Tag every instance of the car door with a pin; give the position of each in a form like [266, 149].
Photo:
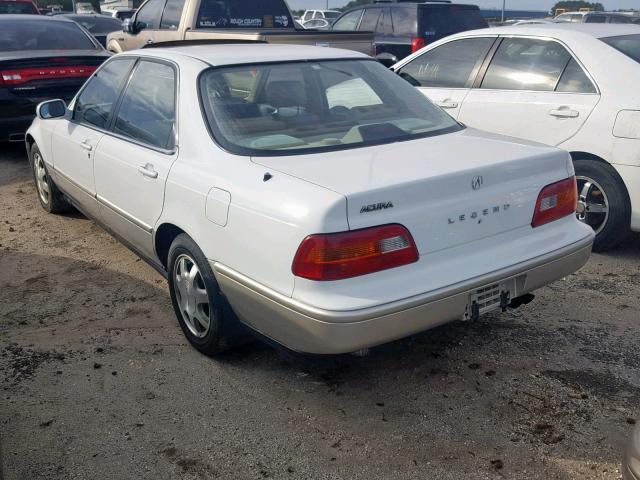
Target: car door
[74, 142]
[146, 23]
[534, 89]
[446, 73]
[133, 160]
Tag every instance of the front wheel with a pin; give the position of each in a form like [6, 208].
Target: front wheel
[202, 312]
[50, 197]
[603, 203]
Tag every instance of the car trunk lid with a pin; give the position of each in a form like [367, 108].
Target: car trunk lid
[447, 190]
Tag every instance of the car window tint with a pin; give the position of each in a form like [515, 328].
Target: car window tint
[385, 27]
[171, 15]
[95, 102]
[619, 19]
[243, 14]
[595, 19]
[369, 20]
[149, 14]
[41, 34]
[13, 7]
[440, 20]
[449, 65]
[574, 80]
[526, 64]
[348, 22]
[405, 21]
[147, 111]
[627, 44]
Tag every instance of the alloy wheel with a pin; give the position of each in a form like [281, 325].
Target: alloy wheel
[192, 296]
[41, 178]
[593, 204]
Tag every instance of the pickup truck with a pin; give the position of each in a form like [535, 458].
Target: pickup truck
[224, 21]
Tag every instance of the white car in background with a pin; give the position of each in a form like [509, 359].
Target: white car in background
[308, 192]
[572, 86]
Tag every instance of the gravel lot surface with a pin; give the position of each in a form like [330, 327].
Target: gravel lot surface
[99, 383]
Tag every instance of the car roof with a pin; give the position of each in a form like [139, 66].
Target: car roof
[238, 54]
[561, 30]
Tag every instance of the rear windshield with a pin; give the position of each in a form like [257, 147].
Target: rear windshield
[627, 44]
[304, 107]
[17, 7]
[43, 35]
[437, 21]
[244, 14]
[98, 24]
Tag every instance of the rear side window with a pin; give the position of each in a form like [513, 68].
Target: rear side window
[171, 15]
[526, 64]
[17, 8]
[405, 21]
[349, 21]
[244, 14]
[627, 44]
[595, 19]
[51, 34]
[574, 80]
[385, 26]
[369, 20]
[439, 21]
[449, 65]
[96, 101]
[147, 111]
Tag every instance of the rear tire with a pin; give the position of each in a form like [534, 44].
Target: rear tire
[203, 313]
[51, 199]
[603, 203]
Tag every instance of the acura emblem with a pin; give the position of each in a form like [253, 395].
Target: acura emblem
[476, 182]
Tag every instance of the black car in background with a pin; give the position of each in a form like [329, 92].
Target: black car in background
[402, 28]
[97, 24]
[40, 58]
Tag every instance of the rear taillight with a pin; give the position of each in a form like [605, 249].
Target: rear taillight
[25, 75]
[417, 44]
[556, 201]
[337, 256]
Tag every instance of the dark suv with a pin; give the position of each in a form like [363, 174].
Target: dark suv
[402, 28]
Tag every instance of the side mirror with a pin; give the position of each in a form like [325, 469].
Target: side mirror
[126, 26]
[387, 59]
[51, 109]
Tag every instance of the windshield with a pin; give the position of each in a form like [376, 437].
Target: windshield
[17, 7]
[627, 44]
[303, 107]
[244, 14]
[43, 35]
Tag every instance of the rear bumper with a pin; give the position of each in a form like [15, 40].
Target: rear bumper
[13, 129]
[305, 328]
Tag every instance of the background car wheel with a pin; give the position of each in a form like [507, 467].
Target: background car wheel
[51, 199]
[603, 203]
[203, 313]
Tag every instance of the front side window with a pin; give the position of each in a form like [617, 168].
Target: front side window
[526, 64]
[627, 44]
[171, 15]
[349, 21]
[148, 109]
[149, 14]
[595, 19]
[449, 65]
[243, 14]
[304, 107]
[96, 101]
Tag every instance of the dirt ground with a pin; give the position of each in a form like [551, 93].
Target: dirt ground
[97, 381]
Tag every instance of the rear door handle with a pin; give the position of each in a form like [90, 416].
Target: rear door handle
[564, 113]
[148, 171]
[86, 145]
[448, 104]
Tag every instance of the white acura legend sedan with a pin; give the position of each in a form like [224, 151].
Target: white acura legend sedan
[307, 193]
[572, 86]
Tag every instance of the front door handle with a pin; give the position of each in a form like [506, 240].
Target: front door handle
[448, 104]
[86, 145]
[564, 113]
[149, 42]
[148, 171]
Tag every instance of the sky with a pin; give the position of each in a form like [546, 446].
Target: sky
[511, 4]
